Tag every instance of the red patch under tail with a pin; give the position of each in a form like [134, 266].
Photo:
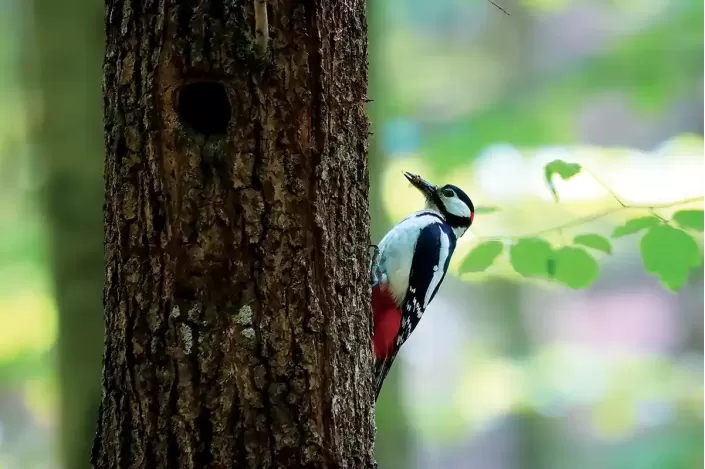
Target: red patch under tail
[387, 321]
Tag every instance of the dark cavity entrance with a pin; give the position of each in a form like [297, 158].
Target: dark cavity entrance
[204, 107]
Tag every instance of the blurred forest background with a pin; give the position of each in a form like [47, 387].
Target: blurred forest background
[504, 373]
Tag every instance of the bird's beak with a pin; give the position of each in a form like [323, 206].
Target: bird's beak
[420, 183]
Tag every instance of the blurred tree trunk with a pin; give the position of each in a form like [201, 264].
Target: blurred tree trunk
[530, 430]
[68, 41]
[237, 231]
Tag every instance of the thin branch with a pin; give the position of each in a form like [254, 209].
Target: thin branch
[653, 212]
[595, 217]
[261, 28]
[605, 187]
[502, 9]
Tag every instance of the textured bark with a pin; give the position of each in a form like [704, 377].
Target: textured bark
[68, 42]
[236, 298]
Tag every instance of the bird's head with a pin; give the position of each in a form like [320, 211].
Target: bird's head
[449, 200]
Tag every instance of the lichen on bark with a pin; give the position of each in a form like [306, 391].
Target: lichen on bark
[236, 298]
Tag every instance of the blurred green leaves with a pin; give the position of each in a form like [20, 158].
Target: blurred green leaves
[534, 257]
[669, 253]
[485, 210]
[561, 168]
[635, 225]
[575, 267]
[651, 67]
[571, 266]
[482, 257]
[594, 241]
[689, 219]
[531, 257]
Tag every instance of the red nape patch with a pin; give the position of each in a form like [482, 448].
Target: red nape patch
[387, 319]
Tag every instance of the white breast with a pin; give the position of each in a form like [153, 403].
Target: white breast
[397, 251]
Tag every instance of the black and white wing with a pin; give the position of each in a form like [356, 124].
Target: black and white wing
[434, 248]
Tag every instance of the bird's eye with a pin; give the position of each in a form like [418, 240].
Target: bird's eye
[449, 193]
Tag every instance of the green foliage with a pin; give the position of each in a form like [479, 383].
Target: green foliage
[635, 225]
[23, 241]
[571, 266]
[656, 64]
[482, 257]
[669, 253]
[531, 257]
[25, 365]
[594, 241]
[689, 219]
[575, 267]
[485, 210]
[563, 169]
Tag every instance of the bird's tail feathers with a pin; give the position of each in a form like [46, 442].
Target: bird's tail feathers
[382, 367]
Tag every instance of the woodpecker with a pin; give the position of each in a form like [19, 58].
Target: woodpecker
[410, 264]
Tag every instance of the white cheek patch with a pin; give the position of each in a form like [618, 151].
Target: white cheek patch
[456, 206]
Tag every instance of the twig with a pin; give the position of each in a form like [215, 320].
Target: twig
[605, 187]
[502, 9]
[653, 212]
[261, 28]
[595, 217]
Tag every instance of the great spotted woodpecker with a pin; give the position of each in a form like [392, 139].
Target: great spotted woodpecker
[410, 264]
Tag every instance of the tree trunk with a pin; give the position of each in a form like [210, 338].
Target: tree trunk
[237, 285]
[68, 41]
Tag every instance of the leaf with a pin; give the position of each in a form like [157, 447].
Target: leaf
[575, 267]
[482, 257]
[485, 210]
[689, 219]
[594, 241]
[551, 267]
[562, 168]
[669, 253]
[531, 257]
[635, 225]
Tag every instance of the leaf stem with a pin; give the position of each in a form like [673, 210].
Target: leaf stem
[595, 217]
[609, 190]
